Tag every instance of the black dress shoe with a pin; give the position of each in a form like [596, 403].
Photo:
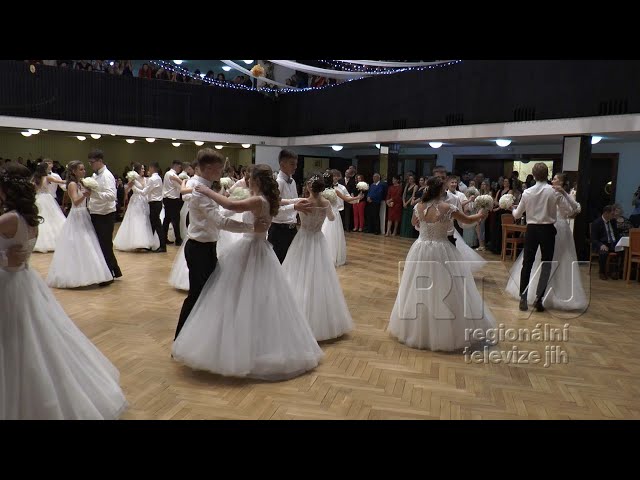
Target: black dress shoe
[104, 284]
[178, 243]
[168, 242]
[523, 305]
[160, 250]
[538, 305]
[117, 273]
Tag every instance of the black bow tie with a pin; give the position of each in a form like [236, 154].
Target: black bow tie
[289, 180]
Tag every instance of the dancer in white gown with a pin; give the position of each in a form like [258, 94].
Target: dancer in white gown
[49, 370]
[564, 290]
[310, 270]
[179, 276]
[245, 322]
[52, 216]
[135, 231]
[238, 191]
[78, 238]
[334, 231]
[436, 317]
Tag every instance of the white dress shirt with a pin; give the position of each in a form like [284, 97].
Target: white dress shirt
[191, 183]
[343, 190]
[452, 199]
[53, 187]
[462, 187]
[205, 219]
[540, 202]
[286, 213]
[103, 201]
[153, 189]
[171, 189]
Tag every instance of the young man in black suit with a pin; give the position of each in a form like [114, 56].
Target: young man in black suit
[604, 237]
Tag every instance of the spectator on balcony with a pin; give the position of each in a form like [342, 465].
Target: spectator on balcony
[127, 69]
[162, 74]
[198, 79]
[248, 82]
[221, 78]
[145, 71]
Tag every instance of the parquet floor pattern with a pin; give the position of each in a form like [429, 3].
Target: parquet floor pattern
[367, 374]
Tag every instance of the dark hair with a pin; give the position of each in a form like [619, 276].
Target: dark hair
[40, 173]
[20, 193]
[136, 167]
[563, 177]
[335, 171]
[317, 182]
[433, 190]
[194, 164]
[96, 155]
[540, 172]
[268, 186]
[439, 168]
[155, 165]
[608, 209]
[176, 162]
[286, 154]
[208, 156]
[71, 168]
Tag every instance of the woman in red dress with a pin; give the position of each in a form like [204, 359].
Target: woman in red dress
[394, 207]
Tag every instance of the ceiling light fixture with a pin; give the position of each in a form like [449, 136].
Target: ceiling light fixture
[435, 144]
[337, 148]
[150, 140]
[246, 145]
[82, 138]
[595, 139]
[503, 142]
[175, 144]
[95, 136]
[130, 140]
[199, 143]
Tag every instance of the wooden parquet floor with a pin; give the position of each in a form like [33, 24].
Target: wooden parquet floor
[367, 374]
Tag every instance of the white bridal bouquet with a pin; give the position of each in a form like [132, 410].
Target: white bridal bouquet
[184, 176]
[362, 186]
[330, 194]
[506, 201]
[471, 191]
[90, 183]
[484, 201]
[132, 175]
[240, 194]
[226, 182]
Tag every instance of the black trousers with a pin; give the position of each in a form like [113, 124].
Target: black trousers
[452, 239]
[347, 216]
[172, 208]
[372, 217]
[280, 236]
[543, 236]
[156, 226]
[602, 258]
[103, 225]
[201, 261]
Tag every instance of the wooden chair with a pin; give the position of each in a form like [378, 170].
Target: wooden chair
[633, 255]
[512, 239]
[611, 256]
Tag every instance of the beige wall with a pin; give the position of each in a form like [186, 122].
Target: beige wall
[314, 165]
[118, 153]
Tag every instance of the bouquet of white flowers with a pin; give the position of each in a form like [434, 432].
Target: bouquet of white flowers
[240, 194]
[330, 194]
[226, 182]
[506, 201]
[484, 201]
[90, 183]
[132, 175]
[184, 176]
[471, 191]
[362, 186]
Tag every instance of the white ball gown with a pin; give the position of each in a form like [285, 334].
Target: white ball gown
[565, 290]
[334, 233]
[313, 278]
[135, 231]
[437, 301]
[53, 219]
[49, 370]
[246, 323]
[78, 246]
[226, 239]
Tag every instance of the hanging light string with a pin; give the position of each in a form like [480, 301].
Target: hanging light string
[266, 89]
[354, 67]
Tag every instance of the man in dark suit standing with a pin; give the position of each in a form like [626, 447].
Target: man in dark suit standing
[604, 237]
[350, 183]
[377, 193]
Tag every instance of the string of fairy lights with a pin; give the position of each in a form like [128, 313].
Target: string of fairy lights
[337, 65]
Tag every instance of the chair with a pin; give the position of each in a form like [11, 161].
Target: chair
[611, 256]
[633, 255]
[510, 240]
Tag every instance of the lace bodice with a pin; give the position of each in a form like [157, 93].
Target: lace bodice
[82, 204]
[564, 210]
[436, 230]
[250, 218]
[44, 186]
[313, 221]
[25, 236]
